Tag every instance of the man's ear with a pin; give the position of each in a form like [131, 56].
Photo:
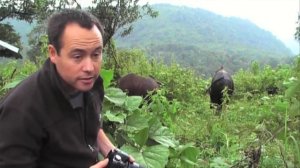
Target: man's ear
[52, 53]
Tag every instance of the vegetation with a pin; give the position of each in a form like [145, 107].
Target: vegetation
[9, 35]
[297, 33]
[179, 129]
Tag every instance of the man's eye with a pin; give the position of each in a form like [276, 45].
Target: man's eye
[97, 54]
[76, 56]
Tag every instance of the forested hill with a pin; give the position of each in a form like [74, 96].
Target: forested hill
[204, 40]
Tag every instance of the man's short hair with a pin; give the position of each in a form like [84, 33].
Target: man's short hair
[59, 20]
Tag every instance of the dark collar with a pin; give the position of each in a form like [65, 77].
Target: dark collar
[75, 98]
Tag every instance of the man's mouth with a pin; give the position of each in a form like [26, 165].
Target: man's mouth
[87, 80]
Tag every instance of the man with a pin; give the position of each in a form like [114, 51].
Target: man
[52, 118]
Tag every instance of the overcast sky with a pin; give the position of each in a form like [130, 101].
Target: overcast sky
[277, 16]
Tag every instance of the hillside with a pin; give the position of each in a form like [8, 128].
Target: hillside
[203, 40]
[196, 38]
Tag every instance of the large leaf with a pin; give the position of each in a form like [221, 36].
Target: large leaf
[11, 84]
[188, 157]
[119, 117]
[150, 157]
[162, 135]
[14, 83]
[136, 122]
[107, 76]
[133, 102]
[293, 89]
[219, 162]
[115, 95]
[141, 137]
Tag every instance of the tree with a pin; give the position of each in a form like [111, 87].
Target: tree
[116, 15]
[37, 39]
[20, 9]
[44, 8]
[32, 9]
[297, 34]
[7, 32]
[10, 36]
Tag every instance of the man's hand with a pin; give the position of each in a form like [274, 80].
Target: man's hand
[101, 164]
[131, 159]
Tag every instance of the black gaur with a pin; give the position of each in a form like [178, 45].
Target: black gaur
[135, 85]
[272, 90]
[220, 81]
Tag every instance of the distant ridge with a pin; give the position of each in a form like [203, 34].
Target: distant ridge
[203, 40]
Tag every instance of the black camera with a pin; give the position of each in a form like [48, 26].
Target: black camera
[120, 159]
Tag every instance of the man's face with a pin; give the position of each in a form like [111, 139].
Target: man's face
[80, 57]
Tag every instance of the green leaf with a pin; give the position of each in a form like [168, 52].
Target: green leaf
[281, 105]
[119, 117]
[107, 76]
[136, 122]
[293, 89]
[219, 162]
[188, 157]
[115, 95]
[141, 137]
[11, 84]
[150, 157]
[14, 83]
[181, 148]
[133, 102]
[162, 135]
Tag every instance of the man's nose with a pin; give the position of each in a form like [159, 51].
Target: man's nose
[88, 65]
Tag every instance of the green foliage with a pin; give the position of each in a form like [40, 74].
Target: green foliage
[252, 123]
[297, 33]
[131, 61]
[294, 83]
[257, 80]
[12, 73]
[27, 11]
[20, 9]
[179, 130]
[9, 35]
[36, 42]
[107, 76]
[43, 51]
[140, 133]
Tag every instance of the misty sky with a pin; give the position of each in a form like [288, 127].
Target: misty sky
[277, 16]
